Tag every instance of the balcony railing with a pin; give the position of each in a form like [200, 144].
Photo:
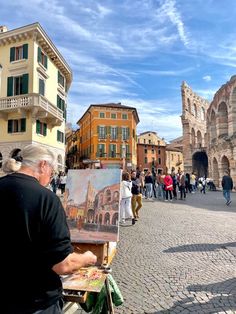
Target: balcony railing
[39, 105]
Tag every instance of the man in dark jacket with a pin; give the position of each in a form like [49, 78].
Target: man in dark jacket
[227, 185]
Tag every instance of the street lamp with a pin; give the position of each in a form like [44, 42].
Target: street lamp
[123, 155]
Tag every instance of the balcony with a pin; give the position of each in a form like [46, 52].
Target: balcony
[40, 107]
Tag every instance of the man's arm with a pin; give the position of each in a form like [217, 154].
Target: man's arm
[73, 262]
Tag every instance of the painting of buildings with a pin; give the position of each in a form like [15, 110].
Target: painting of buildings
[91, 202]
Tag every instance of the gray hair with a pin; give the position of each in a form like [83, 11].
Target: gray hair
[31, 156]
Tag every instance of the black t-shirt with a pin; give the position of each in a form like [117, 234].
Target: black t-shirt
[34, 237]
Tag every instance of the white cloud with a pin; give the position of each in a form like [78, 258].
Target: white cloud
[207, 78]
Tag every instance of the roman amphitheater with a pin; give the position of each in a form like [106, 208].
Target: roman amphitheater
[209, 132]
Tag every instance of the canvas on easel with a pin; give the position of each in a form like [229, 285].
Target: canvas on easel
[92, 204]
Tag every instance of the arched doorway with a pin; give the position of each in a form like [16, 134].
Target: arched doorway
[215, 172]
[225, 164]
[223, 119]
[200, 164]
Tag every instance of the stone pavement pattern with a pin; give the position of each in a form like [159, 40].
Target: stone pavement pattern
[179, 258]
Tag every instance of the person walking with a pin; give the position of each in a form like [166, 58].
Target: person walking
[168, 186]
[37, 249]
[136, 200]
[148, 184]
[227, 185]
[182, 182]
[125, 204]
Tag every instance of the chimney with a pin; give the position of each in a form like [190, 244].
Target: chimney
[3, 29]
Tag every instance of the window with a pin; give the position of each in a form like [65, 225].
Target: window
[144, 141]
[42, 58]
[149, 141]
[15, 126]
[159, 161]
[145, 151]
[124, 116]
[113, 133]
[41, 87]
[61, 105]
[101, 132]
[17, 85]
[113, 116]
[112, 150]
[153, 161]
[60, 79]
[172, 157]
[60, 136]
[19, 53]
[125, 133]
[101, 115]
[41, 128]
[101, 150]
[153, 151]
[159, 151]
[145, 160]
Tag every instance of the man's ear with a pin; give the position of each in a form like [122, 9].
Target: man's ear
[42, 165]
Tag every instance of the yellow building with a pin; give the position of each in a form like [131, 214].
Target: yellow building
[174, 159]
[34, 82]
[108, 136]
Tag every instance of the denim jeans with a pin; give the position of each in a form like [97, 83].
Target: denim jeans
[226, 194]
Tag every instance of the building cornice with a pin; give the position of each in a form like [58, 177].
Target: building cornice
[35, 31]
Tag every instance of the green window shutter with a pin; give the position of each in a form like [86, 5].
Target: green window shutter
[110, 148]
[9, 126]
[39, 55]
[12, 54]
[127, 150]
[46, 62]
[38, 127]
[25, 83]
[65, 114]
[98, 128]
[58, 101]
[108, 130]
[23, 125]
[114, 149]
[97, 154]
[10, 86]
[25, 51]
[62, 104]
[103, 149]
[41, 87]
[45, 129]
[128, 132]
[58, 136]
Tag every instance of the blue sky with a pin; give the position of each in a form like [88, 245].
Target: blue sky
[137, 52]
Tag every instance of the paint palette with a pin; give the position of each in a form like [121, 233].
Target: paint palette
[86, 279]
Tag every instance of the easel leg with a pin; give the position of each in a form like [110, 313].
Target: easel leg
[109, 298]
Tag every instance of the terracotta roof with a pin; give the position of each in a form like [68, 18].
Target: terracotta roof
[112, 105]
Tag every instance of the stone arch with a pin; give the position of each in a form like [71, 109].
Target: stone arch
[225, 164]
[203, 114]
[107, 219]
[108, 196]
[206, 139]
[213, 133]
[199, 139]
[90, 216]
[222, 119]
[115, 219]
[215, 172]
[189, 105]
[195, 110]
[200, 164]
[193, 141]
[233, 102]
[0, 160]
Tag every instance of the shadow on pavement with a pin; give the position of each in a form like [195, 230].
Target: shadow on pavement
[224, 299]
[200, 247]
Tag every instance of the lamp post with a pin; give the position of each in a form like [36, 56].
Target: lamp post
[123, 155]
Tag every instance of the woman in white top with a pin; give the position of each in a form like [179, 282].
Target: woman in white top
[125, 204]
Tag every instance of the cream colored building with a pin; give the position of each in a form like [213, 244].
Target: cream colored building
[34, 82]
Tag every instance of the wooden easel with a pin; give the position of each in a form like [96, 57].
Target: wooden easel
[105, 256]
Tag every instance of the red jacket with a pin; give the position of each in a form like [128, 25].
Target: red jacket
[168, 183]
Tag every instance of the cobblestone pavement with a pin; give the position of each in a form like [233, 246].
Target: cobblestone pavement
[180, 257]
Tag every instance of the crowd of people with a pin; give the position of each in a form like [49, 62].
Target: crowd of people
[150, 185]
